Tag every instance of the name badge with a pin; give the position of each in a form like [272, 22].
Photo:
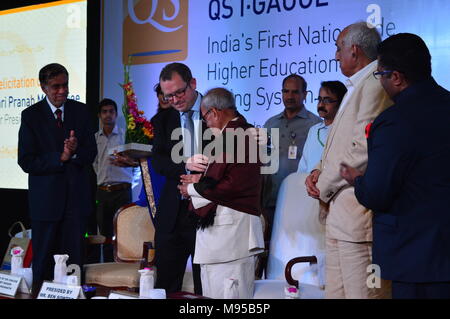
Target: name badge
[292, 152]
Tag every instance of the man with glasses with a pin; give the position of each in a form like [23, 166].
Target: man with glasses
[330, 97]
[293, 124]
[406, 182]
[227, 201]
[349, 224]
[56, 148]
[175, 227]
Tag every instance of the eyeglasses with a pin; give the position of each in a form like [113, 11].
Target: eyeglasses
[205, 115]
[325, 100]
[179, 93]
[379, 74]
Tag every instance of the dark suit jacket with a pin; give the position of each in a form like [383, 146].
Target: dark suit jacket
[39, 151]
[169, 202]
[407, 184]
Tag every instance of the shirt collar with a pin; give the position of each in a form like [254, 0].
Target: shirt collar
[302, 114]
[358, 76]
[322, 124]
[196, 106]
[54, 108]
[115, 130]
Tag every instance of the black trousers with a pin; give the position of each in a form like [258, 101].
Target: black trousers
[172, 250]
[56, 238]
[107, 205]
[428, 290]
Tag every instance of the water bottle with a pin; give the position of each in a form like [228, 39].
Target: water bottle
[146, 282]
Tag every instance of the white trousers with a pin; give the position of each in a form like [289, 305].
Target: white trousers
[214, 277]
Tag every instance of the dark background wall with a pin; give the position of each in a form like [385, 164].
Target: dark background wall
[15, 202]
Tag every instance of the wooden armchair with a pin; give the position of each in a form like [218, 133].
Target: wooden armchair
[133, 250]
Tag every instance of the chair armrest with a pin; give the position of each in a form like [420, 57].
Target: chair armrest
[292, 262]
[98, 240]
[147, 252]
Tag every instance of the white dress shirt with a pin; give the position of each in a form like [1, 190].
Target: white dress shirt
[314, 144]
[352, 82]
[106, 172]
[54, 108]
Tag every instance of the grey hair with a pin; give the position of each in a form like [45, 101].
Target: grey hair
[365, 36]
[220, 98]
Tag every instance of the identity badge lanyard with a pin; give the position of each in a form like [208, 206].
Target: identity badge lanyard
[292, 152]
[318, 136]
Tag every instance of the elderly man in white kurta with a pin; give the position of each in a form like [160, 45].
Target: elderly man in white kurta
[227, 201]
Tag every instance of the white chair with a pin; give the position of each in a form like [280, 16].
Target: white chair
[296, 233]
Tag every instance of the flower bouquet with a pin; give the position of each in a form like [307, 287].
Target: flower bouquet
[139, 130]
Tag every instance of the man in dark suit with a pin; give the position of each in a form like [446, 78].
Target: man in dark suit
[56, 146]
[175, 226]
[407, 181]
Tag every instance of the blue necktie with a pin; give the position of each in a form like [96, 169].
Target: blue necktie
[189, 135]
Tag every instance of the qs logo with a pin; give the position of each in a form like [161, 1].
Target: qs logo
[155, 31]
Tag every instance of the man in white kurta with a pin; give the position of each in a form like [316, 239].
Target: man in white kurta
[227, 249]
[227, 201]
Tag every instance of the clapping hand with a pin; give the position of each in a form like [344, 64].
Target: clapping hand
[70, 147]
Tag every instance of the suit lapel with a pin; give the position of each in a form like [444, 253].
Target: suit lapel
[334, 127]
[174, 123]
[69, 118]
[49, 124]
[47, 113]
[337, 120]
